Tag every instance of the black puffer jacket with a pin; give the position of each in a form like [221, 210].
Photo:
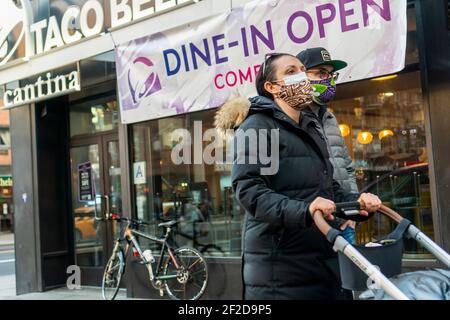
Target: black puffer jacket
[285, 256]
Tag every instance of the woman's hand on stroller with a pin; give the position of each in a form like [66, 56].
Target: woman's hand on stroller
[369, 203]
[325, 206]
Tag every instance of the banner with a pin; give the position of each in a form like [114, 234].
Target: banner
[202, 65]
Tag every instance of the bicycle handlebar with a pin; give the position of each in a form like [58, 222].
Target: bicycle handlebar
[119, 219]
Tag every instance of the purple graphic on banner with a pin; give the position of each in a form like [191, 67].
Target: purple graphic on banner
[150, 85]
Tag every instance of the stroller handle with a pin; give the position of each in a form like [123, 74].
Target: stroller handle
[412, 231]
[341, 245]
[388, 212]
[325, 228]
[348, 209]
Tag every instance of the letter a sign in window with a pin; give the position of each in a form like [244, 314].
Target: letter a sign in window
[139, 172]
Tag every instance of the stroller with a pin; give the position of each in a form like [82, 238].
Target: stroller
[359, 265]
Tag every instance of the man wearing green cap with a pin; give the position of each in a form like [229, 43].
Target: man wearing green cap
[321, 71]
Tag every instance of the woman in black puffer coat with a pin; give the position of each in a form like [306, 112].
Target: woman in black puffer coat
[284, 255]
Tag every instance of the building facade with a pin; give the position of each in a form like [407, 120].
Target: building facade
[395, 128]
[6, 182]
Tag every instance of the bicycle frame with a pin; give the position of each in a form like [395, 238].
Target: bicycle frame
[172, 268]
[130, 237]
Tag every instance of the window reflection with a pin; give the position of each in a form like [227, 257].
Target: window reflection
[383, 125]
[199, 196]
[94, 116]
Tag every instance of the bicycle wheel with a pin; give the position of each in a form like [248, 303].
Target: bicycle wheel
[192, 274]
[112, 275]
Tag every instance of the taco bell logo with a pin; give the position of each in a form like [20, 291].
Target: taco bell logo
[142, 80]
[14, 21]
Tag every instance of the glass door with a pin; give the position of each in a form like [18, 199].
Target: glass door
[96, 194]
[113, 187]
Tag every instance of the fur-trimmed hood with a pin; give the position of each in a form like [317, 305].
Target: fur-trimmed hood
[231, 114]
[235, 111]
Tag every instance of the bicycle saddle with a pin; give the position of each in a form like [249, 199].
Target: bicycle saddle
[168, 224]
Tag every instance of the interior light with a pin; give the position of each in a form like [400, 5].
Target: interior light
[384, 78]
[364, 137]
[385, 133]
[345, 129]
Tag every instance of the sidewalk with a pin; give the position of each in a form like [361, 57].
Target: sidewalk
[85, 293]
[8, 285]
[7, 281]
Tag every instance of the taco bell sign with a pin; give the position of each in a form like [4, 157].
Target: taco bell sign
[77, 22]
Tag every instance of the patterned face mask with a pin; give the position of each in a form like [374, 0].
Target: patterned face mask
[324, 90]
[296, 91]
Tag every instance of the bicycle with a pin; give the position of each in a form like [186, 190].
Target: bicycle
[184, 274]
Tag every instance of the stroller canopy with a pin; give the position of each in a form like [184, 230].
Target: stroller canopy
[432, 284]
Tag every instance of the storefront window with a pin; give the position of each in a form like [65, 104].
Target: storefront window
[94, 116]
[383, 123]
[199, 196]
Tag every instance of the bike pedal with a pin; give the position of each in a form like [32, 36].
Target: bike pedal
[161, 292]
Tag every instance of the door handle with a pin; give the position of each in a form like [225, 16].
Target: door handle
[108, 212]
[95, 209]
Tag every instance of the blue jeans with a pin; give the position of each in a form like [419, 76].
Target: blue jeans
[349, 234]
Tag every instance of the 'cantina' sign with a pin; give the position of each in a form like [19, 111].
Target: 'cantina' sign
[44, 88]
